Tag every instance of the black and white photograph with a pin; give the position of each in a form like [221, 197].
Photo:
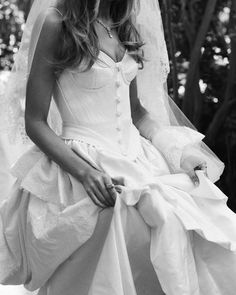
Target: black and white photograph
[117, 147]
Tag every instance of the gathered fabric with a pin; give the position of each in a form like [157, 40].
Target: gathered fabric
[164, 235]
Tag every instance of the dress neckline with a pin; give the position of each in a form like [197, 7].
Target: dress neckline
[111, 58]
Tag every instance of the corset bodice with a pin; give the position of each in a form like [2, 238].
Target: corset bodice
[95, 104]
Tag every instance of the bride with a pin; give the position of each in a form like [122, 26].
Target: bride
[118, 202]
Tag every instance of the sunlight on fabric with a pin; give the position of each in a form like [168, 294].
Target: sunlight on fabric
[14, 290]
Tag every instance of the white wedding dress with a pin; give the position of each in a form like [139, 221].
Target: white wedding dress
[164, 236]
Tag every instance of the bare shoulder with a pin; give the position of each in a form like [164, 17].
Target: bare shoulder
[50, 21]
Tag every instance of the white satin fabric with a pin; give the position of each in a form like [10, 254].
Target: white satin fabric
[163, 236]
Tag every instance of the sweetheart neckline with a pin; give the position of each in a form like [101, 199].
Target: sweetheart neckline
[111, 58]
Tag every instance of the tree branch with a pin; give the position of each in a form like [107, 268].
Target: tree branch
[195, 57]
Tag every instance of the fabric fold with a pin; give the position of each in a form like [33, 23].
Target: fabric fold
[176, 221]
[178, 142]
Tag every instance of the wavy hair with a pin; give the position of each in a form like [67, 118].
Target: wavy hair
[79, 41]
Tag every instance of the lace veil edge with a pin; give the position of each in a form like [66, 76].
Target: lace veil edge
[151, 81]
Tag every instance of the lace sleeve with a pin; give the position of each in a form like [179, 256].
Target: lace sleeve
[171, 141]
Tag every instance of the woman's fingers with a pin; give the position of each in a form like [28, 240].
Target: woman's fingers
[192, 174]
[202, 167]
[102, 191]
[94, 198]
[109, 186]
[100, 195]
[118, 182]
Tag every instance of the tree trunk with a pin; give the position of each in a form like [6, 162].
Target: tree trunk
[198, 101]
[188, 104]
[231, 85]
[226, 115]
[230, 94]
[218, 121]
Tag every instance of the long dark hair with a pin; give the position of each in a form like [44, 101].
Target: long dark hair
[79, 41]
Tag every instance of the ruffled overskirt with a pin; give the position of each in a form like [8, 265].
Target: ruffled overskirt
[163, 235]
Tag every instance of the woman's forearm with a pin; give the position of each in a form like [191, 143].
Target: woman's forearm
[147, 127]
[140, 116]
[54, 147]
[144, 123]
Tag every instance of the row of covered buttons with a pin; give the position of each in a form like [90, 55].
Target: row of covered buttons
[118, 108]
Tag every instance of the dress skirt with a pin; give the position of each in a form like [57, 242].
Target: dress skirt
[164, 235]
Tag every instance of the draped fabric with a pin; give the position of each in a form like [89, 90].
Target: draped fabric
[164, 235]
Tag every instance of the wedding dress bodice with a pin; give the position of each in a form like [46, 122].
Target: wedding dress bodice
[95, 104]
[162, 228]
[95, 109]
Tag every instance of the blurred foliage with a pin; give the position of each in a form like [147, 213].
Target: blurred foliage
[186, 17]
[11, 25]
[215, 58]
[214, 61]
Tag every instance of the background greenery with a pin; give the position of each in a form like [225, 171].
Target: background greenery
[201, 37]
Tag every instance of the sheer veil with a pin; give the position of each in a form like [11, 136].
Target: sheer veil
[152, 87]
[151, 80]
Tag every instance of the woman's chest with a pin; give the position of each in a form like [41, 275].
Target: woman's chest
[104, 72]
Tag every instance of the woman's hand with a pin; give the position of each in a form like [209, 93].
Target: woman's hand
[101, 187]
[190, 164]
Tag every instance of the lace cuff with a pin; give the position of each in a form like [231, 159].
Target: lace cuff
[172, 141]
[178, 142]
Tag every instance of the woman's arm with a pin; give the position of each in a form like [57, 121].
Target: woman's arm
[40, 86]
[137, 110]
[149, 129]
[141, 119]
